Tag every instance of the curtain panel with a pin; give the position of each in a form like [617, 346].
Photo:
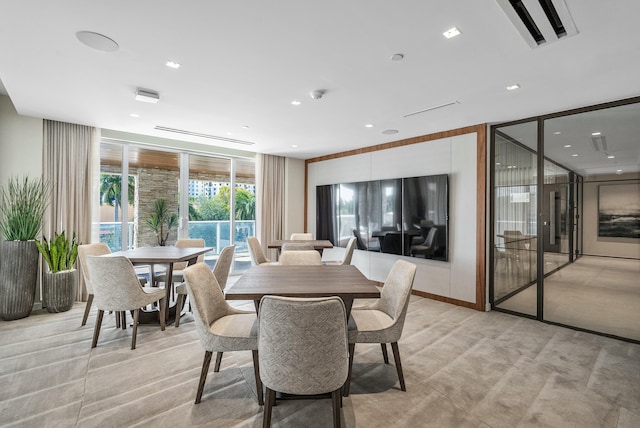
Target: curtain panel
[67, 166]
[270, 207]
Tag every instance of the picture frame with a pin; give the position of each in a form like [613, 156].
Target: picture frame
[619, 210]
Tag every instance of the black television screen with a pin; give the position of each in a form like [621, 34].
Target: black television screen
[404, 216]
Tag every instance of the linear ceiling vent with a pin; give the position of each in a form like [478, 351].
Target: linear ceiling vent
[540, 22]
[198, 134]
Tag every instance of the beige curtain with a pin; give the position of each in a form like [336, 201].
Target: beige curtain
[67, 165]
[270, 207]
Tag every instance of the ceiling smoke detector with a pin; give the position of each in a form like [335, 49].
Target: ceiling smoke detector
[317, 94]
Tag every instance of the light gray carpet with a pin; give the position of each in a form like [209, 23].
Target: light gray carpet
[463, 368]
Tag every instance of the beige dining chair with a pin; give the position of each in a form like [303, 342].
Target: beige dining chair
[382, 322]
[221, 327]
[116, 288]
[297, 246]
[303, 257]
[302, 349]
[348, 254]
[256, 253]
[301, 237]
[97, 249]
[220, 271]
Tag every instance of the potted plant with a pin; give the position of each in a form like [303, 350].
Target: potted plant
[22, 206]
[161, 222]
[59, 285]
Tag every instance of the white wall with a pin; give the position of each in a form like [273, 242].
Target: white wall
[456, 156]
[20, 143]
[602, 246]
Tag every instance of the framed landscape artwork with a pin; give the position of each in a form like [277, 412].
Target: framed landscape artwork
[619, 210]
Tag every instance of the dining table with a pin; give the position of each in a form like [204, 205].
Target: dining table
[318, 244]
[346, 282]
[162, 255]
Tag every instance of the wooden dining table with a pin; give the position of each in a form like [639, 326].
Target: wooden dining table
[346, 282]
[166, 256]
[318, 244]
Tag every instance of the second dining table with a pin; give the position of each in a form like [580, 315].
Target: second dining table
[318, 244]
[346, 282]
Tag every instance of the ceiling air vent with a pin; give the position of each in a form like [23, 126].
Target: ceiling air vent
[199, 134]
[539, 22]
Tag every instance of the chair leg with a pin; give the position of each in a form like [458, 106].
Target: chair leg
[347, 384]
[203, 374]
[96, 329]
[266, 418]
[336, 398]
[216, 367]
[384, 353]
[136, 314]
[179, 304]
[118, 318]
[256, 372]
[396, 357]
[163, 313]
[87, 309]
[123, 322]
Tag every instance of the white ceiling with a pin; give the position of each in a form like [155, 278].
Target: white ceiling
[243, 62]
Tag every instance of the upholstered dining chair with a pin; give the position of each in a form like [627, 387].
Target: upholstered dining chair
[256, 253]
[220, 271]
[116, 288]
[302, 349]
[301, 237]
[382, 322]
[297, 246]
[348, 254]
[97, 249]
[303, 257]
[221, 328]
[179, 266]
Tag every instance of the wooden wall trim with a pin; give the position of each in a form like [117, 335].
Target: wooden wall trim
[481, 200]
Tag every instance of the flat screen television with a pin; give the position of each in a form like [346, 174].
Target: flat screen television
[403, 216]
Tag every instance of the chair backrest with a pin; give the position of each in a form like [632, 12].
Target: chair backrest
[255, 251]
[115, 284]
[84, 250]
[297, 246]
[301, 237]
[348, 252]
[431, 237]
[394, 298]
[302, 344]
[189, 243]
[223, 265]
[303, 257]
[359, 242]
[206, 298]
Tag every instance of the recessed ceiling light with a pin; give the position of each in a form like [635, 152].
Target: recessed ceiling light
[513, 87]
[575, 155]
[397, 57]
[229, 133]
[618, 171]
[611, 157]
[172, 64]
[595, 134]
[97, 41]
[498, 163]
[294, 145]
[556, 133]
[390, 131]
[566, 146]
[368, 125]
[134, 115]
[245, 127]
[296, 103]
[451, 32]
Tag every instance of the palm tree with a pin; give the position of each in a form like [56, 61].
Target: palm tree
[245, 204]
[111, 191]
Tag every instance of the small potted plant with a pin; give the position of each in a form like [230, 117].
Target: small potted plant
[22, 206]
[161, 222]
[59, 283]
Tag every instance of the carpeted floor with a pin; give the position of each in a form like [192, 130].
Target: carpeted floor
[463, 368]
